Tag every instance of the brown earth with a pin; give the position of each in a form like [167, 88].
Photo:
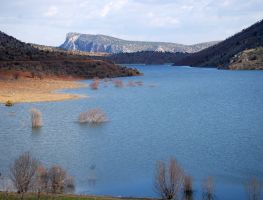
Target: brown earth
[36, 90]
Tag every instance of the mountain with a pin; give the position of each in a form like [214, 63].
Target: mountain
[103, 43]
[17, 57]
[220, 55]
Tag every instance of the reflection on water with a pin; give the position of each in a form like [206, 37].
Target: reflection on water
[92, 176]
[210, 120]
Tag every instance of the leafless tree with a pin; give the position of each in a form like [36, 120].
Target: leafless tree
[95, 115]
[169, 179]
[22, 172]
[57, 177]
[36, 118]
[188, 188]
[253, 187]
[208, 189]
[41, 180]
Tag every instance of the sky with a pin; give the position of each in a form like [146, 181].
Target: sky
[181, 21]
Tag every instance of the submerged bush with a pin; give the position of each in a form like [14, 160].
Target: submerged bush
[92, 116]
[36, 118]
[95, 84]
[188, 188]
[169, 179]
[9, 103]
[131, 84]
[254, 186]
[118, 83]
[208, 189]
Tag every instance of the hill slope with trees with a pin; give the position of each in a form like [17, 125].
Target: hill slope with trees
[22, 59]
[221, 54]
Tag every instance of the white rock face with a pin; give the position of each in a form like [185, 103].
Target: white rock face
[103, 43]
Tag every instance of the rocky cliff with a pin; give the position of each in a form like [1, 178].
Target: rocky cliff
[103, 43]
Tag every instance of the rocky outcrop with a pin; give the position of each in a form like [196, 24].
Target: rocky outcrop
[251, 59]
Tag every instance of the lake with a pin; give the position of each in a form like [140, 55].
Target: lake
[210, 120]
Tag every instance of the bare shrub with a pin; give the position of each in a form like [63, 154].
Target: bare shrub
[95, 84]
[168, 179]
[41, 180]
[60, 181]
[118, 83]
[253, 187]
[57, 177]
[131, 84]
[208, 189]
[152, 85]
[95, 115]
[188, 188]
[36, 118]
[22, 172]
[9, 103]
[69, 184]
[139, 83]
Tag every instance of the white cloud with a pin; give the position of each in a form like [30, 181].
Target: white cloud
[162, 21]
[157, 20]
[112, 6]
[52, 11]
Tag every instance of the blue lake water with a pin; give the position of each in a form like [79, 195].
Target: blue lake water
[210, 120]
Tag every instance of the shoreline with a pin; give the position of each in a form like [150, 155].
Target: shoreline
[37, 90]
[27, 196]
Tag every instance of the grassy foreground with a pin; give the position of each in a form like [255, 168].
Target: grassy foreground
[31, 196]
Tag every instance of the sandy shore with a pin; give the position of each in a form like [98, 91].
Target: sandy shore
[31, 90]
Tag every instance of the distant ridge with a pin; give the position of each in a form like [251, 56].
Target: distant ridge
[221, 54]
[108, 44]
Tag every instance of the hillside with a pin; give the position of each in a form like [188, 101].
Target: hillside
[221, 54]
[103, 43]
[248, 59]
[21, 59]
[146, 57]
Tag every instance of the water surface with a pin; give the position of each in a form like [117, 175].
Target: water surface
[210, 120]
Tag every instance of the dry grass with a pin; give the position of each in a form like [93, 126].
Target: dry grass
[95, 115]
[31, 90]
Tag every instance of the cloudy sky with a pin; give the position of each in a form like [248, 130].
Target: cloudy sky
[181, 21]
